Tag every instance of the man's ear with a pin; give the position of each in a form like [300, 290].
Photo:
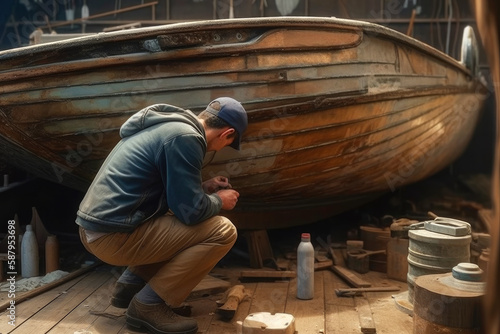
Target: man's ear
[228, 132]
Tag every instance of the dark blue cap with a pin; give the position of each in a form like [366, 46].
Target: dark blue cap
[233, 113]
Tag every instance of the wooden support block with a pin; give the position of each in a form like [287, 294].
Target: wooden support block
[365, 315]
[259, 248]
[350, 277]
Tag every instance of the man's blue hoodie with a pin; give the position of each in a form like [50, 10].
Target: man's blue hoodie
[155, 167]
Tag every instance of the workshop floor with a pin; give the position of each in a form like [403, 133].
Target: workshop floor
[81, 306]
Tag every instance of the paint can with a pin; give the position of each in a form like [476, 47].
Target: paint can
[431, 252]
[449, 303]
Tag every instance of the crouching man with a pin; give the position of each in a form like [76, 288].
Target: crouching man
[149, 210]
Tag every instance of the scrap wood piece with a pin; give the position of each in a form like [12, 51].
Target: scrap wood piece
[350, 277]
[323, 265]
[329, 250]
[365, 315]
[267, 274]
[232, 299]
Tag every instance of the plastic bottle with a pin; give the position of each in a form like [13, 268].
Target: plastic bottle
[85, 11]
[51, 254]
[305, 268]
[29, 254]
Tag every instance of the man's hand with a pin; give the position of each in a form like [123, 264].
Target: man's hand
[215, 184]
[229, 198]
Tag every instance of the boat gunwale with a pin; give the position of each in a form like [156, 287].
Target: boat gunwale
[291, 21]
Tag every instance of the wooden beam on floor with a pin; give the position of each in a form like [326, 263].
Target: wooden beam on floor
[350, 277]
[365, 315]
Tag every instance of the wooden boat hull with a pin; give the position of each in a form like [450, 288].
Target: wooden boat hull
[339, 111]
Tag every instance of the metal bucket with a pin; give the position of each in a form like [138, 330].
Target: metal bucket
[434, 253]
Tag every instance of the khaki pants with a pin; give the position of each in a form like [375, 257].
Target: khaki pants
[171, 256]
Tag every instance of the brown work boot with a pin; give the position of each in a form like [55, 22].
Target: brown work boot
[159, 319]
[123, 294]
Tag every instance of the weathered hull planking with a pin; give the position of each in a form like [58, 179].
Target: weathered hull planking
[339, 111]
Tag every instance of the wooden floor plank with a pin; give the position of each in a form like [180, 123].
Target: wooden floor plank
[67, 308]
[81, 319]
[388, 318]
[28, 308]
[270, 297]
[203, 310]
[50, 315]
[105, 324]
[309, 314]
[341, 316]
